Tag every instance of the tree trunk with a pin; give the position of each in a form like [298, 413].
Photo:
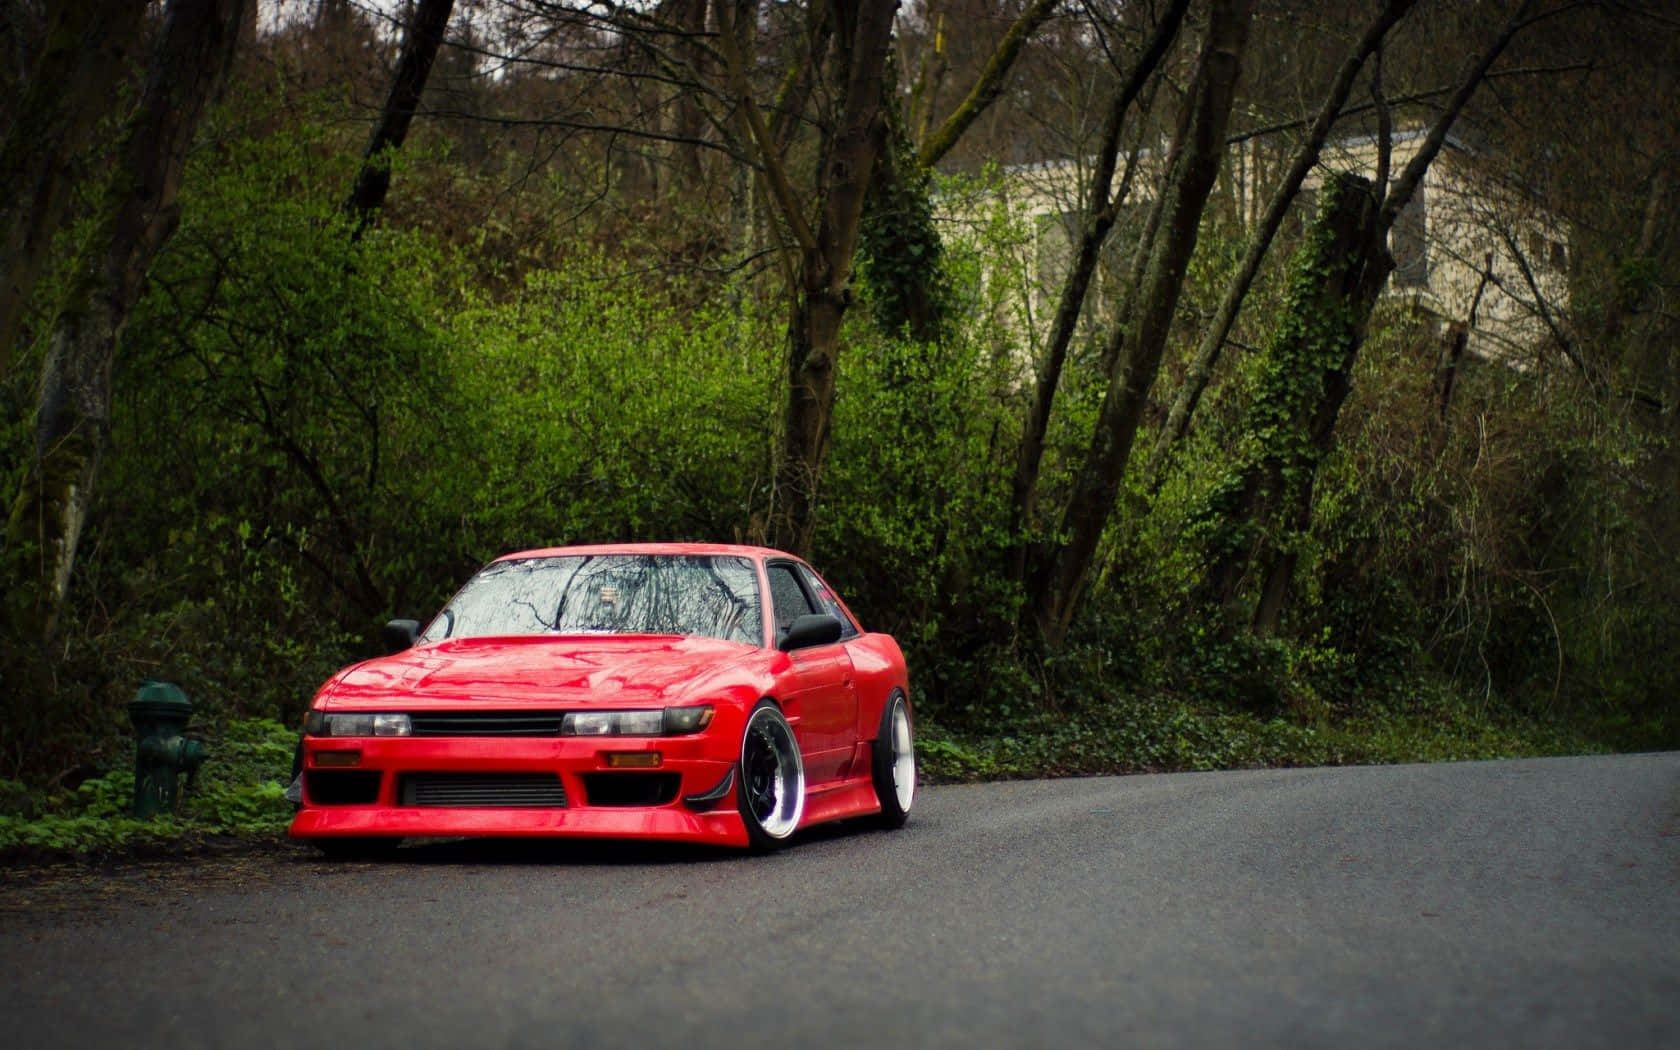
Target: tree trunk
[1102, 203]
[136, 216]
[1458, 341]
[1148, 319]
[690, 118]
[74, 80]
[1308, 377]
[1292, 424]
[419, 51]
[814, 336]
[903, 253]
[1213, 340]
[863, 33]
[1366, 283]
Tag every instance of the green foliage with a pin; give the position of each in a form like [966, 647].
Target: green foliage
[239, 789]
[312, 435]
[237, 792]
[315, 435]
[597, 410]
[901, 257]
[910, 515]
[1159, 733]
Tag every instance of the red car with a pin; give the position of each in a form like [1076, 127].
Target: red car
[692, 692]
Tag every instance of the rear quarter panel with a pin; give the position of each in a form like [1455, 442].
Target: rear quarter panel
[878, 666]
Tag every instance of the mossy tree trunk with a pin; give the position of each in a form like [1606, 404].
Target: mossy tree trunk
[1317, 341]
[135, 216]
[1305, 381]
[988, 86]
[1213, 339]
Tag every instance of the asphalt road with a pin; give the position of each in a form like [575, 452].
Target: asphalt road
[1521, 904]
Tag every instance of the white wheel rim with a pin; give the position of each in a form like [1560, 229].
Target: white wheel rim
[903, 756]
[772, 774]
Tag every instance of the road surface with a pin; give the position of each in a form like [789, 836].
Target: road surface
[1501, 904]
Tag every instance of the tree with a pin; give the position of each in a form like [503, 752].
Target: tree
[135, 215]
[988, 85]
[823, 223]
[1134, 346]
[903, 252]
[1103, 203]
[1309, 374]
[78, 72]
[1213, 340]
[420, 46]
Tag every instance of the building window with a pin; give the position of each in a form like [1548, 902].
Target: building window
[1408, 243]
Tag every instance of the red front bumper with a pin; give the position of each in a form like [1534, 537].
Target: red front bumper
[368, 786]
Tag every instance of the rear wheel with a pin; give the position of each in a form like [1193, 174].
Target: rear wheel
[894, 766]
[771, 792]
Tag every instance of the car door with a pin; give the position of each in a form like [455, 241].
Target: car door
[822, 705]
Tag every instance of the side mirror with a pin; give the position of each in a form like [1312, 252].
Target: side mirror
[399, 635]
[812, 629]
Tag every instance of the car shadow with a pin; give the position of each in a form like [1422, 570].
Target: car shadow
[583, 852]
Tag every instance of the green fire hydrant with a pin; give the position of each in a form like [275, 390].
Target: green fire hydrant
[160, 712]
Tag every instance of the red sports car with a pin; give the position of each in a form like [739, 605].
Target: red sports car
[694, 692]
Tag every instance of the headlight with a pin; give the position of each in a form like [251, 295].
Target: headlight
[679, 720]
[334, 723]
[670, 721]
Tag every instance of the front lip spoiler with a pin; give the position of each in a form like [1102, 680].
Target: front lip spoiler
[709, 800]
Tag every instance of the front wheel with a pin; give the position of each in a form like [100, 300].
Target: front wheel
[771, 793]
[894, 766]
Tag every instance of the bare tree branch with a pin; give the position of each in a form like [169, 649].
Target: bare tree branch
[1403, 100]
[772, 170]
[989, 84]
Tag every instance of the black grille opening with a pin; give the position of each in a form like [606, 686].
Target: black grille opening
[486, 723]
[341, 787]
[535, 790]
[630, 789]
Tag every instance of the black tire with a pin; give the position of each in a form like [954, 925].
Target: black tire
[358, 848]
[894, 766]
[770, 775]
[297, 772]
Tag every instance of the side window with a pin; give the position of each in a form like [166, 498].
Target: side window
[830, 604]
[787, 596]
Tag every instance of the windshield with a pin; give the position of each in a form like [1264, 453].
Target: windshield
[711, 595]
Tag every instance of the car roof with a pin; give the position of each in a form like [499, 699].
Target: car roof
[739, 550]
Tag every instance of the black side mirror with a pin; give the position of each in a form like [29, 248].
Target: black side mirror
[812, 629]
[399, 635]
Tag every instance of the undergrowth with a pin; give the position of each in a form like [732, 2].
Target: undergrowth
[237, 794]
[1163, 734]
[237, 797]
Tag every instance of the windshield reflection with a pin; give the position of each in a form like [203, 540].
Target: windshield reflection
[714, 596]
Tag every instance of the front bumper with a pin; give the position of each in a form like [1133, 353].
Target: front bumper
[381, 786]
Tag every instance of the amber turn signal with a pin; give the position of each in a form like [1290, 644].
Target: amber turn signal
[633, 759]
[338, 758]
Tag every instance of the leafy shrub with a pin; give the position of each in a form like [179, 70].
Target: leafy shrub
[238, 791]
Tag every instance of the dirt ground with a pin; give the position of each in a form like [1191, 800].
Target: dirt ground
[33, 892]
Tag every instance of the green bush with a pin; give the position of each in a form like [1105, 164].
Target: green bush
[237, 792]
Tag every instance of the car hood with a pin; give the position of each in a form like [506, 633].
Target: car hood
[546, 671]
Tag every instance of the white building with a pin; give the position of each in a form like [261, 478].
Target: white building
[1470, 249]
